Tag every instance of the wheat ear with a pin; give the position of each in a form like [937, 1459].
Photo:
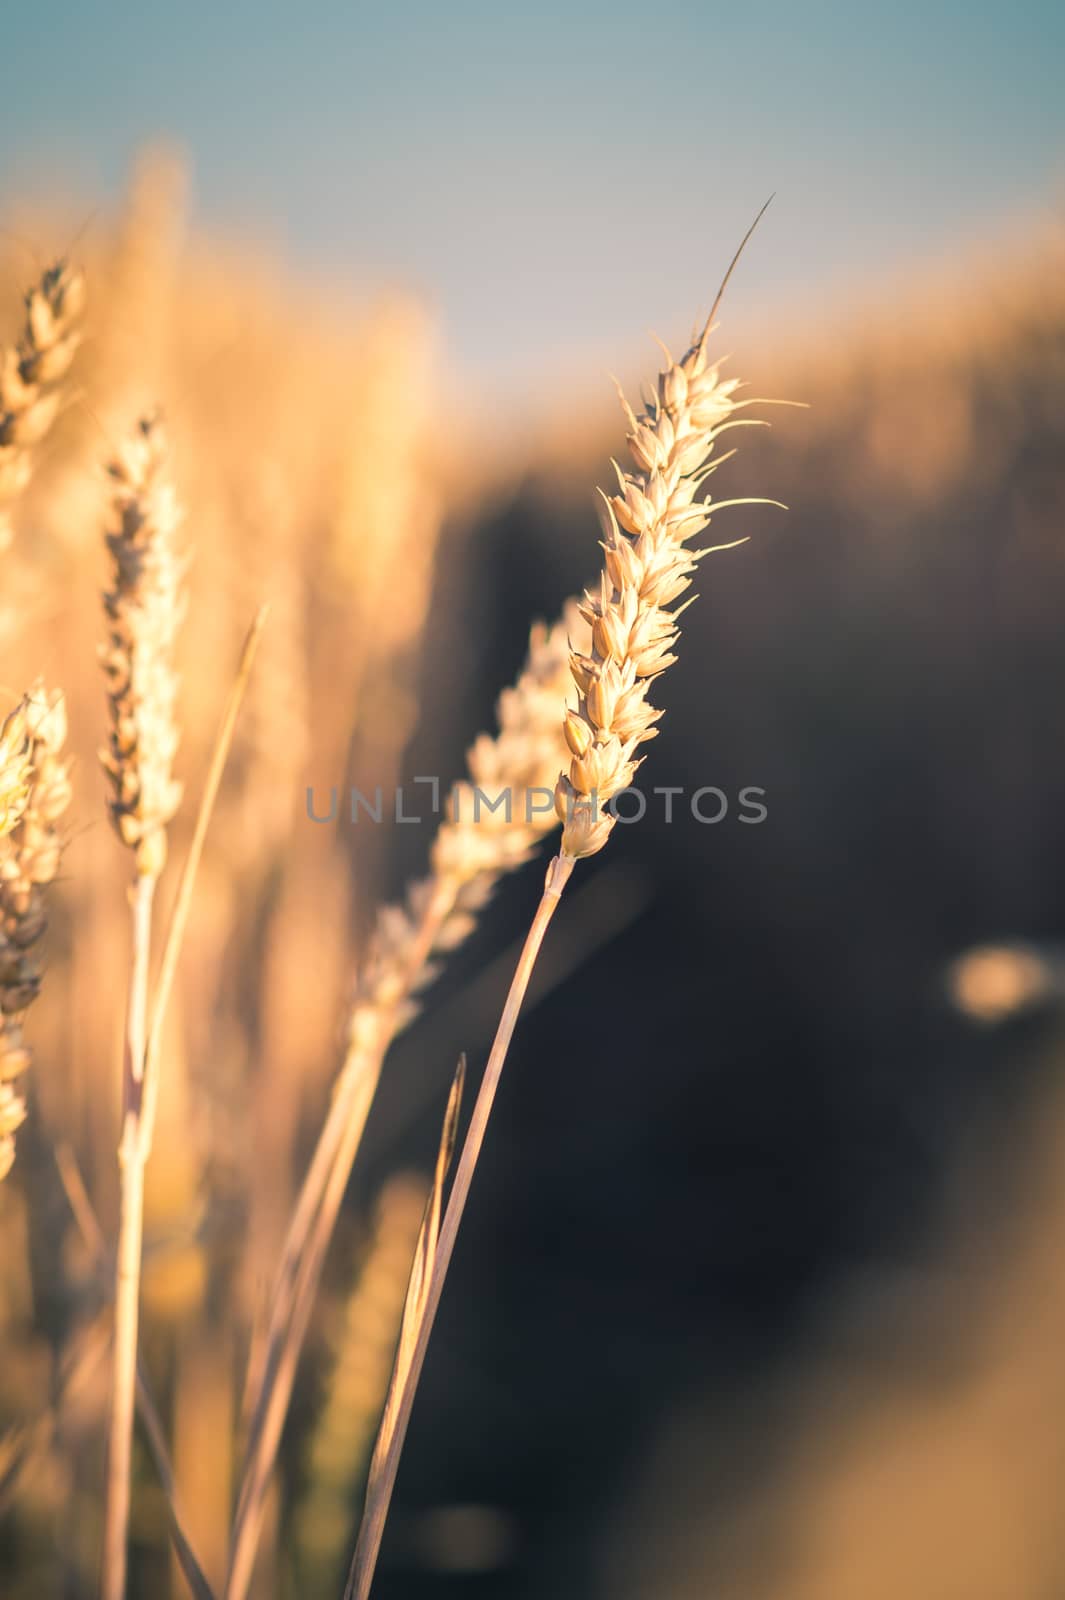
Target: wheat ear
[31, 375]
[471, 850]
[143, 610]
[34, 794]
[647, 567]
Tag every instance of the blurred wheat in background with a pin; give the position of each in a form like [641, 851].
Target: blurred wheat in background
[885, 665]
[301, 439]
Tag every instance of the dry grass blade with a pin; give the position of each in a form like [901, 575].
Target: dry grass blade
[154, 1433]
[179, 916]
[385, 1462]
[363, 1345]
[283, 1350]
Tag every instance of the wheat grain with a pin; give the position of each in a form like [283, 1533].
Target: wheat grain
[16, 768]
[144, 609]
[31, 375]
[36, 793]
[492, 825]
[648, 565]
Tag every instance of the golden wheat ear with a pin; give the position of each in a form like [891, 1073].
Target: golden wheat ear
[34, 795]
[144, 608]
[657, 508]
[32, 374]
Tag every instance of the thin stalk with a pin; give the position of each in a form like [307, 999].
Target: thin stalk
[93, 1236]
[383, 1476]
[128, 1268]
[195, 1576]
[303, 1256]
[280, 1371]
[335, 1149]
[179, 917]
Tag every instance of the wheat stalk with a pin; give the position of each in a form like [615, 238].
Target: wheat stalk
[31, 375]
[385, 1461]
[34, 794]
[365, 1344]
[473, 847]
[93, 1237]
[647, 567]
[143, 609]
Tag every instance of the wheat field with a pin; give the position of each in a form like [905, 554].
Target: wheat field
[252, 540]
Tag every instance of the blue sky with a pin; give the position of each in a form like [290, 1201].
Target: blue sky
[558, 178]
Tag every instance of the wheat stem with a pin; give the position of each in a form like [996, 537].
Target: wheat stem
[382, 1483]
[280, 1370]
[341, 1443]
[131, 1157]
[89, 1227]
[179, 917]
[308, 1239]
